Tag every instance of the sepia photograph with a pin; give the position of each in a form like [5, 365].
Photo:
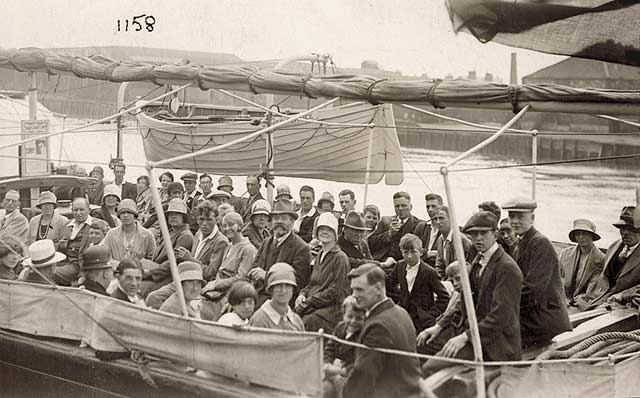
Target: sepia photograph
[355, 198]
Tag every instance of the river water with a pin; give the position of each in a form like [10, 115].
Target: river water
[564, 192]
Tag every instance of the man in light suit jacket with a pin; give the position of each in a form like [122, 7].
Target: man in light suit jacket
[444, 244]
[427, 231]
[496, 282]
[621, 274]
[580, 264]
[376, 374]
[384, 242]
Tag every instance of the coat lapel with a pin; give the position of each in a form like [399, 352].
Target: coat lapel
[632, 262]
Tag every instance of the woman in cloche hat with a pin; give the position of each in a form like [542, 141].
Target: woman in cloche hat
[48, 224]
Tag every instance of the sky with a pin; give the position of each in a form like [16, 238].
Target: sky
[411, 36]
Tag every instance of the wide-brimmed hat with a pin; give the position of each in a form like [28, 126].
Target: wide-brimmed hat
[283, 190]
[284, 206]
[43, 253]
[112, 190]
[12, 194]
[96, 257]
[481, 221]
[326, 196]
[177, 205]
[260, 206]
[189, 177]
[326, 220]
[583, 225]
[128, 205]
[355, 220]
[47, 197]
[225, 181]
[520, 205]
[281, 273]
[190, 271]
[629, 217]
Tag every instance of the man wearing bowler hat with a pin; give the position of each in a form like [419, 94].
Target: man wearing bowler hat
[620, 276]
[283, 246]
[496, 282]
[97, 267]
[352, 240]
[580, 264]
[543, 313]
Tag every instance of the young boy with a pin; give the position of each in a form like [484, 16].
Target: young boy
[339, 358]
[427, 342]
[413, 284]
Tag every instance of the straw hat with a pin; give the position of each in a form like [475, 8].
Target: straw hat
[281, 273]
[190, 271]
[47, 197]
[128, 205]
[326, 220]
[225, 181]
[583, 225]
[355, 220]
[283, 206]
[260, 206]
[112, 190]
[43, 253]
[96, 257]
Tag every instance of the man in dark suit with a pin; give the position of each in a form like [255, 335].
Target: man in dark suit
[427, 231]
[253, 188]
[128, 190]
[387, 325]
[496, 282]
[384, 242]
[543, 313]
[283, 246]
[303, 225]
[620, 277]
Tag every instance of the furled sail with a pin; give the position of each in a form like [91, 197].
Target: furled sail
[334, 150]
[454, 93]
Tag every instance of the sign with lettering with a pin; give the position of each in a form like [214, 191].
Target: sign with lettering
[34, 155]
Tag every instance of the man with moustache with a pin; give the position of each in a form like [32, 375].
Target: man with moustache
[543, 313]
[283, 246]
[427, 231]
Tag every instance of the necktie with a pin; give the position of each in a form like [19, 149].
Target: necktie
[624, 254]
[474, 277]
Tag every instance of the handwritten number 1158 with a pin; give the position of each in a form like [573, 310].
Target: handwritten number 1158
[136, 24]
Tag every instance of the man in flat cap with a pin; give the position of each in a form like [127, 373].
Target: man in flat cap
[496, 282]
[12, 222]
[621, 274]
[543, 313]
[95, 194]
[580, 264]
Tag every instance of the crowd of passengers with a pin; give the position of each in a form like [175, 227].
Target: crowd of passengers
[383, 281]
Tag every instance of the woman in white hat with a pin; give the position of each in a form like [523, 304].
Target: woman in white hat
[319, 303]
[257, 230]
[190, 275]
[43, 257]
[48, 224]
[129, 240]
[109, 210]
[275, 313]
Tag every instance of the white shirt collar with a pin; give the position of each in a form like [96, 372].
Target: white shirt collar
[450, 235]
[486, 255]
[632, 248]
[214, 231]
[310, 213]
[281, 239]
[275, 315]
[193, 194]
[72, 223]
